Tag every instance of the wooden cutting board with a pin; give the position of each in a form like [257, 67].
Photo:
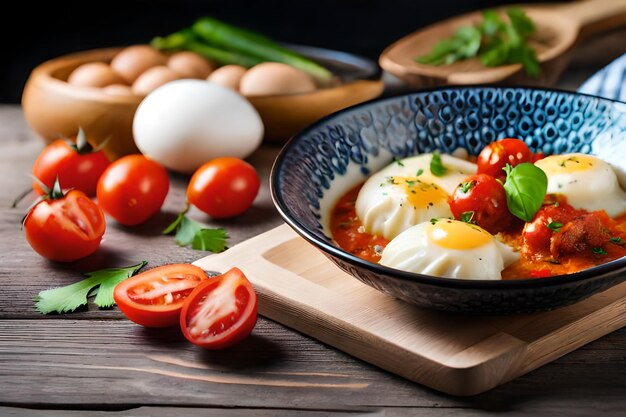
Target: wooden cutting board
[461, 355]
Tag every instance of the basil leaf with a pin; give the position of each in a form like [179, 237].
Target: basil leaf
[436, 166]
[525, 188]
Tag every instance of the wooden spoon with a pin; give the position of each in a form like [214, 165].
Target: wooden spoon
[559, 27]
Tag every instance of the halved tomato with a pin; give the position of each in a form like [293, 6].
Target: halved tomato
[220, 312]
[154, 298]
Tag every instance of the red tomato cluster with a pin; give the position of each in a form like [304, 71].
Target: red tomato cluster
[213, 313]
[481, 198]
[131, 190]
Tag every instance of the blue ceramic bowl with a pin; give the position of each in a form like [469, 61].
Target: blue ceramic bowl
[338, 152]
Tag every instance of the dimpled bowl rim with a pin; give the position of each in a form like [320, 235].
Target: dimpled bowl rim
[335, 251]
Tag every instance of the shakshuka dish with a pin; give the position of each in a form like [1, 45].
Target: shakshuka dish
[510, 214]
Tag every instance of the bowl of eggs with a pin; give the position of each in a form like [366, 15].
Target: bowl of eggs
[468, 199]
[100, 90]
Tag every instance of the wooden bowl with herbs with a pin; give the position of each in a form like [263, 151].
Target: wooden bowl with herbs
[527, 45]
[99, 91]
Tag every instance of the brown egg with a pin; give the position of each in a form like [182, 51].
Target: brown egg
[118, 90]
[228, 76]
[273, 78]
[134, 60]
[154, 78]
[190, 65]
[94, 74]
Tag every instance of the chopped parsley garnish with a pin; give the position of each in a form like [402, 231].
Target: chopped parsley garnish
[570, 159]
[467, 217]
[616, 240]
[554, 226]
[399, 162]
[466, 186]
[436, 166]
[419, 172]
[599, 251]
[433, 221]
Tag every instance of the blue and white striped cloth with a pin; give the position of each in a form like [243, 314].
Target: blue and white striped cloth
[609, 82]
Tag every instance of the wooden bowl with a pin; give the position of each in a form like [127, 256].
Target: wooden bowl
[54, 108]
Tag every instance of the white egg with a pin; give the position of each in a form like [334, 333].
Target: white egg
[406, 193]
[586, 181]
[449, 249]
[185, 123]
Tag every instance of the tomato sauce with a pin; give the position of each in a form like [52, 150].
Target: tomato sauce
[348, 232]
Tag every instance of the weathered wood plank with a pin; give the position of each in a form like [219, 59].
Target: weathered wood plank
[116, 364]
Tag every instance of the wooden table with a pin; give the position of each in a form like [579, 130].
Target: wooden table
[96, 363]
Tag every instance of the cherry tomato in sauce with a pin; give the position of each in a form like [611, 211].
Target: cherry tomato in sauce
[481, 200]
[494, 157]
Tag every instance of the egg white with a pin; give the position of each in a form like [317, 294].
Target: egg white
[470, 254]
[396, 197]
[586, 181]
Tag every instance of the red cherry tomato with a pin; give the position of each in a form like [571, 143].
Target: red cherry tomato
[223, 187]
[481, 199]
[154, 298]
[220, 312]
[132, 189]
[537, 234]
[65, 229]
[75, 169]
[497, 154]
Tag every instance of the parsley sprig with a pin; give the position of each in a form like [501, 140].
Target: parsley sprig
[200, 237]
[494, 41]
[99, 283]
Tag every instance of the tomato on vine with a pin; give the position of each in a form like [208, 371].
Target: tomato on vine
[64, 227]
[76, 164]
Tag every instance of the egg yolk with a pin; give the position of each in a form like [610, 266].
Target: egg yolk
[454, 234]
[419, 193]
[558, 164]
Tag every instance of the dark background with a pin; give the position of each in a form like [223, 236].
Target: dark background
[34, 33]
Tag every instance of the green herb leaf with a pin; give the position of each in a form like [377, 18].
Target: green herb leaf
[187, 229]
[467, 216]
[200, 237]
[466, 186]
[491, 23]
[462, 45]
[399, 162]
[419, 172]
[213, 240]
[599, 251]
[436, 166]
[169, 229]
[616, 240]
[554, 226]
[522, 24]
[69, 298]
[433, 220]
[525, 188]
[494, 41]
